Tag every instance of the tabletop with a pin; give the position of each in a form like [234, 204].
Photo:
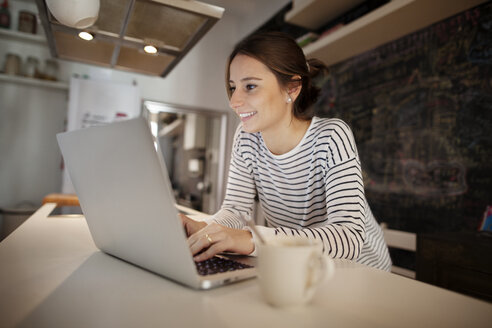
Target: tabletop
[52, 275]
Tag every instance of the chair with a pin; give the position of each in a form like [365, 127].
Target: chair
[400, 240]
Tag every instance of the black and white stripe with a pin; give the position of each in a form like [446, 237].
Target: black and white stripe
[315, 190]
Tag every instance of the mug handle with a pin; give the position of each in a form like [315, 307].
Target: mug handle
[320, 268]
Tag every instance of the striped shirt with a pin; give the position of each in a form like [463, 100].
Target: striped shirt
[315, 190]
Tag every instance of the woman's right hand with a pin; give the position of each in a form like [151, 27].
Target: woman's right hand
[191, 226]
[206, 240]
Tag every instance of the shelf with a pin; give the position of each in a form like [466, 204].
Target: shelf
[313, 14]
[33, 82]
[22, 36]
[384, 24]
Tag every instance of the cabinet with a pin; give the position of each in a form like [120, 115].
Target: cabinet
[33, 82]
[458, 261]
[386, 23]
[24, 45]
[27, 39]
[22, 36]
[314, 14]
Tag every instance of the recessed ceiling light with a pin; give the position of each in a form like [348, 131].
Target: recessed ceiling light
[86, 36]
[150, 49]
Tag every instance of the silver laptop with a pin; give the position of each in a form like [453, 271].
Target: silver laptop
[125, 194]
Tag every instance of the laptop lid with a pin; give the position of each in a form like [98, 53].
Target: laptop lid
[125, 194]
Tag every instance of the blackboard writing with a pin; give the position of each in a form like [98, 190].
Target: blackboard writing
[421, 111]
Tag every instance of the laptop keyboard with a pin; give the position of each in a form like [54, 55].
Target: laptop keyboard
[218, 265]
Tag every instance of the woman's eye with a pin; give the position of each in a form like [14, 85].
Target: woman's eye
[232, 89]
[250, 86]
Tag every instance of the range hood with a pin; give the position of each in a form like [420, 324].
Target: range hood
[124, 27]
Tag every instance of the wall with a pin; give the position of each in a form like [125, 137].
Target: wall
[421, 111]
[29, 158]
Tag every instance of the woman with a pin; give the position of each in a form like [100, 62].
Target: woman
[304, 169]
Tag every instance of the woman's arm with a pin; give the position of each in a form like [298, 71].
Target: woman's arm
[224, 231]
[240, 189]
[343, 231]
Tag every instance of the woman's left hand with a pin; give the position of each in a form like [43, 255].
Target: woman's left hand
[215, 238]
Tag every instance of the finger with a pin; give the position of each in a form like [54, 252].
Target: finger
[183, 217]
[219, 244]
[208, 229]
[210, 244]
[195, 238]
[185, 221]
[210, 252]
[191, 226]
[199, 244]
[205, 237]
[201, 240]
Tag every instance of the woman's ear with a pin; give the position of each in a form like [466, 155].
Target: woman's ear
[294, 87]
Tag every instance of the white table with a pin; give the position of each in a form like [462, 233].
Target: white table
[52, 275]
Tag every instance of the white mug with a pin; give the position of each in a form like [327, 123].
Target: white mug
[290, 269]
[75, 13]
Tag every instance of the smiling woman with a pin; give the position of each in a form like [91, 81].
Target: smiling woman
[261, 103]
[305, 170]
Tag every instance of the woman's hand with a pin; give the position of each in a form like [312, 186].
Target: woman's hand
[191, 226]
[209, 240]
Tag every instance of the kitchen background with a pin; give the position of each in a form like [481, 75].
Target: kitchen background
[33, 110]
[411, 77]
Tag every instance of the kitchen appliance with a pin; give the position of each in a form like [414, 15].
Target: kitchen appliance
[124, 27]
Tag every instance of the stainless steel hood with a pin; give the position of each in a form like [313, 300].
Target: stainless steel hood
[124, 27]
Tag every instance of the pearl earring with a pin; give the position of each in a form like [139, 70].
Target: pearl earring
[289, 100]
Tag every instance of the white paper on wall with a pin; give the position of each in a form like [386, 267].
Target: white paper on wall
[97, 102]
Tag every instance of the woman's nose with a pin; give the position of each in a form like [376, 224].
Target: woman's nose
[236, 100]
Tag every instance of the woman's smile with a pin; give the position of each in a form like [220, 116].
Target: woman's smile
[246, 115]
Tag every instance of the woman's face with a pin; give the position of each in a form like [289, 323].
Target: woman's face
[256, 96]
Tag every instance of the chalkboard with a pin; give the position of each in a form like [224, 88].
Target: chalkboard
[420, 108]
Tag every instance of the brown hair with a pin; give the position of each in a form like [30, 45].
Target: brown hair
[281, 54]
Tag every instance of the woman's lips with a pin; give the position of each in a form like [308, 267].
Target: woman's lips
[246, 116]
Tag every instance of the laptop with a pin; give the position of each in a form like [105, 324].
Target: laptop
[125, 193]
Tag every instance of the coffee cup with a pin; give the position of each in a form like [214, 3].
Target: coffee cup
[290, 269]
